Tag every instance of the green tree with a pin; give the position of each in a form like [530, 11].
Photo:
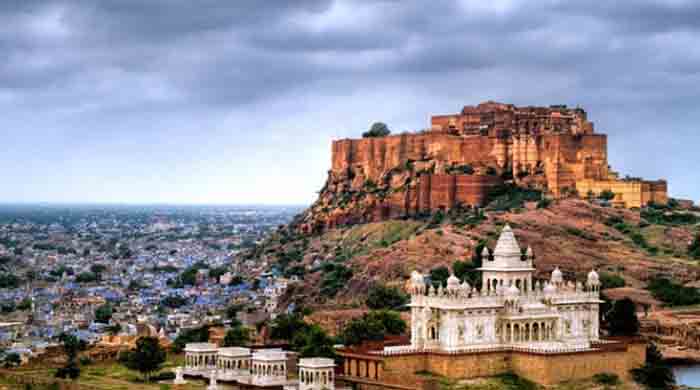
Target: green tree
[237, 336]
[694, 248]
[373, 326]
[313, 342]
[378, 129]
[86, 277]
[655, 374]
[233, 310]
[173, 301]
[286, 326]
[608, 280]
[12, 360]
[622, 318]
[606, 195]
[146, 358]
[25, 304]
[196, 335]
[383, 297]
[439, 275]
[216, 273]
[71, 346]
[103, 313]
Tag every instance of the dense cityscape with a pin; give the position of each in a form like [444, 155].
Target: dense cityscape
[95, 271]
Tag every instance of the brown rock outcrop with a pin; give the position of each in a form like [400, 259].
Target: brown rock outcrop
[462, 157]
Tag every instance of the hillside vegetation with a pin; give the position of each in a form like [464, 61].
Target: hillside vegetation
[628, 247]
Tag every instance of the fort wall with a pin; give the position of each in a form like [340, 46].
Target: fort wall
[552, 149]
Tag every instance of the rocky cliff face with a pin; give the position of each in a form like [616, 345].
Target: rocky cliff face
[376, 179]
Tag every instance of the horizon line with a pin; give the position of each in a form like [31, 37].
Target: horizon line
[101, 203]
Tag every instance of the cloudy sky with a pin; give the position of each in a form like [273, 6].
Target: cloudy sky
[184, 101]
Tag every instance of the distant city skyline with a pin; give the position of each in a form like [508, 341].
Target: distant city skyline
[236, 103]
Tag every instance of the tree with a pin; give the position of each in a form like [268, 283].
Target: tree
[197, 335]
[286, 326]
[87, 277]
[146, 358]
[378, 129]
[103, 313]
[622, 318]
[71, 345]
[694, 248]
[215, 273]
[232, 312]
[237, 336]
[313, 342]
[383, 297]
[373, 326]
[606, 195]
[97, 268]
[655, 374]
[173, 301]
[25, 304]
[467, 271]
[114, 329]
[439, 275]
[608, 280]
[12, 359]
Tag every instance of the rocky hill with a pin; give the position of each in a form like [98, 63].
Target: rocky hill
[339, 265]
[463, 158]
[425, 200]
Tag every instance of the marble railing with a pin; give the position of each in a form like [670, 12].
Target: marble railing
[485, 300]
[542, 349]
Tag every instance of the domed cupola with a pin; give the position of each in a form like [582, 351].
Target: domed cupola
[593, 280]
[452, 284]
[466, 288]
[417, 283]
[485, 254]
[557, 277]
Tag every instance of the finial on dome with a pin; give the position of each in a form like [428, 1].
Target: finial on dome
[485, 253]
[593, 278]
[529, 252]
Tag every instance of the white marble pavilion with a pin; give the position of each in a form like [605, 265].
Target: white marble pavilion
[509, 311]
[262, 368]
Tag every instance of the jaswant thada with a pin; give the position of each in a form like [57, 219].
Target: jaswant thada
[547, 332]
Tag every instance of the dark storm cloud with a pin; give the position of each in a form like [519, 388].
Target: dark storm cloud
[88, 67]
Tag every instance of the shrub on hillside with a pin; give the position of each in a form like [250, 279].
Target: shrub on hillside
[694, 248]
[510, 196]
[382, 297]
[672, 293]
[335, 276]
[608, 280]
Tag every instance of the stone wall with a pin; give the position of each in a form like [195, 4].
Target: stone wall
[628, 193]
[406, 370]
[551, 149]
